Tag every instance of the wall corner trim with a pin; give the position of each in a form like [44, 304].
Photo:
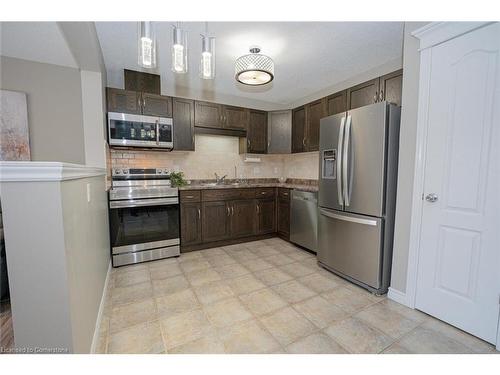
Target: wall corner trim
[398, 296]
[24, 171]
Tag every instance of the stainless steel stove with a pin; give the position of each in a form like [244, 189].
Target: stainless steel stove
[143, 215]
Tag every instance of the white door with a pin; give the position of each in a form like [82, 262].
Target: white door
[459, 257]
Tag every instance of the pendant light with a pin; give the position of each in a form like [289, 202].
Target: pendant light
[146, 41]
[254, 69]
[207, 62]
[179, 50]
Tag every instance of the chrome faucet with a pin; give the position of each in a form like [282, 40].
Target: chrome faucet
[219, 180]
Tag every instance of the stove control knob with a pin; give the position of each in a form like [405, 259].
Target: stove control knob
[117, 171]
[125, 171]
[166, 171]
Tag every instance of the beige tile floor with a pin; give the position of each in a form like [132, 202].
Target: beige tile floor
[261, 297]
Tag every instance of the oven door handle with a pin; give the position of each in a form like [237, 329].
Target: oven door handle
[143, 202]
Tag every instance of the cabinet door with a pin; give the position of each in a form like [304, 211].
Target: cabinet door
[141, 82]
[190, 224]
[183, 116]
[123, 101]
[279, 132]
[363, 94]
[235, 117]
[156, 105]
[315, 111]
[299, 129]
[243, 214]
[284, 218]
[207, 115]
[266, 219]
[336, 103]
[257, 132]
[391, 86]
[215, 219]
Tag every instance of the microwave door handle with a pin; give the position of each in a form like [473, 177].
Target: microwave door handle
[345, 161]
[157, 132]
[339, 162]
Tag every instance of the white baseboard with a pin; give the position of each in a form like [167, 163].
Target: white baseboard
[398, 296]
[95, 339]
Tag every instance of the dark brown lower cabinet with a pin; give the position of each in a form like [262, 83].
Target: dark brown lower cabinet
[242, 222]
[190, 223]
[283, 210]
[215, 221]
[224, 216]
[266, 219]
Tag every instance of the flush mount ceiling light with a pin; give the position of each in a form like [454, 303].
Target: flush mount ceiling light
[147, 45]
[254, 69]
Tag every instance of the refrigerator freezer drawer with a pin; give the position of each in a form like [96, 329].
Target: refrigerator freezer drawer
[351, 245]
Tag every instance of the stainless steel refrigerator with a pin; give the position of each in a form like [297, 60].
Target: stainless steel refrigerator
[357, 193]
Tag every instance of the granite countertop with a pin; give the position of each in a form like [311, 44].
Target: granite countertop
[303, 185]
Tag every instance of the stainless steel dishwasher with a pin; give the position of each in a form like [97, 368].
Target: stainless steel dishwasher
[304, 219]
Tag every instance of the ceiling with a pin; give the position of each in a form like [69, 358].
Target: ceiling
[35, 41]
[308, 56]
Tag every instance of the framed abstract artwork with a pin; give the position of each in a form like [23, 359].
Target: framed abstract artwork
[14, 131]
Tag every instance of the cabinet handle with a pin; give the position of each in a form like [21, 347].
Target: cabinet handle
[375, 97]
[232, 210]
[199, 214]
[228, 211]
[248, 142]
[189, 196]
[257, 208]
[381, 95]
[304, 142]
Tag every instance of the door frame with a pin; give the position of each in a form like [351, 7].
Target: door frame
[429, 35]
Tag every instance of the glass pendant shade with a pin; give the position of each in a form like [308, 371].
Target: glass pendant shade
[254, 69]
[207, 62]
[146, 41]
[179, 51]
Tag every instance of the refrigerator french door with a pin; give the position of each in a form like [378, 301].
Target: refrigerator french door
[357, 192]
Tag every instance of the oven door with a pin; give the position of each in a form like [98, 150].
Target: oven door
[142, 224]
[139, 131]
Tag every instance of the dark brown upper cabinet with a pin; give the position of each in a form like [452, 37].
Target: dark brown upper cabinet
[235, 117]
[257, 132]
[126, 101]
[336, 103]
[315, 111]
[123, 101]
[183, 117]
[190, 223]
[391, 86]
[242, 222]
[299, 129]
[142, 82]
[156, 105]
[363, 94]
[207, 115]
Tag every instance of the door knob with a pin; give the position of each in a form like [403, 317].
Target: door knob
[431, 197]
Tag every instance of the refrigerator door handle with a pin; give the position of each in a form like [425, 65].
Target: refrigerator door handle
[345, 160]
[339, 162]
[348, 218]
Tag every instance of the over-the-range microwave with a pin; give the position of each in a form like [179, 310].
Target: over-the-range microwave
[129, 130]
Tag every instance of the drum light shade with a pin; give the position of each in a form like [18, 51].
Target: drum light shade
[254, 69]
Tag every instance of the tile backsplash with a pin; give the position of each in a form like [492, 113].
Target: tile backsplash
[219, 154]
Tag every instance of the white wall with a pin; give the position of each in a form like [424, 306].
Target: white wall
[93, 119]
[57, 246]
[407, 147]
[54, 97]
